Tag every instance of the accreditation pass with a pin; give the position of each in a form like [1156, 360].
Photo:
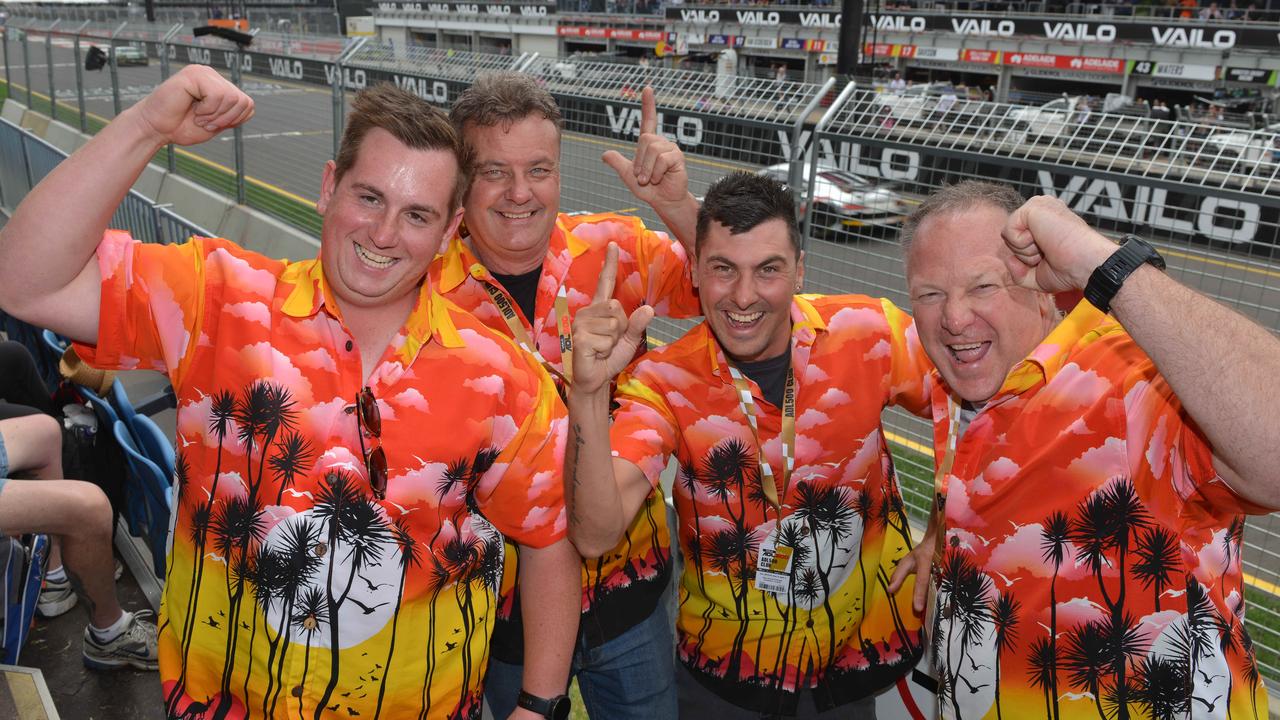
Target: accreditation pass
[773, 567]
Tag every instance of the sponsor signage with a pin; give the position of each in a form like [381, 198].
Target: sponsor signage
[1179, 33]
[766, 43]
[1074, 63]
[935, 53]
[983, 57]
[1253, 76]
[793, 44]
[1173, 70]
[472, 8]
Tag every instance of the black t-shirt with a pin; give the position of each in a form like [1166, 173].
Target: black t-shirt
[523, 288]
[770, 375]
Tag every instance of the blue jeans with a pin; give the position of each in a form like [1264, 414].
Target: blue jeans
[629, 677]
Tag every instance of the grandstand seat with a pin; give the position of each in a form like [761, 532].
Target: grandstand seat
[107, 419]
[55, 343]
[153, 497]
[124, 408]
[153, 443]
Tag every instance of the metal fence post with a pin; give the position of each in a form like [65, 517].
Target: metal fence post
[26, 64]
[48, 55]
[8, 76]
[794, 174]
[807, 228]
[238, 132]
[339, 98]
[115, 76]
[171, 161]
[79, 63]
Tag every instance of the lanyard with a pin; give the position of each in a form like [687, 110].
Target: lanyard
[521, 336]
[788, 436]
[948, 460]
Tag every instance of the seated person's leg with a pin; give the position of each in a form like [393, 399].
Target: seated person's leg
[79, 516]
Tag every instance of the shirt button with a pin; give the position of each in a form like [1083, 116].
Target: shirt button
[296, 691]
[320, 549]
[349, 346]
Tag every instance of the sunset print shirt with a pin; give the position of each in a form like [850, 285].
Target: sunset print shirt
[1091, 565]
[835, 629]
[623, 586]
[291, 591]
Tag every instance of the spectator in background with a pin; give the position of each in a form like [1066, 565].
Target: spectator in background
[897, 84]
[1210, 12]
[78, 517]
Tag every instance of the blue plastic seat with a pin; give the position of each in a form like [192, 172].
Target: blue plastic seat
[107, 419]
[155, 445]
[151, 490]
[120, 401]
[55, 343]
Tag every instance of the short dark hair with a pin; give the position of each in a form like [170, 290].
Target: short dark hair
[741, 201]
[411, 120]
[957, 198]
[503, 98]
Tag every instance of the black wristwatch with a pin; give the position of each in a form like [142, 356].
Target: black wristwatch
[556, 708]
[1107, 278]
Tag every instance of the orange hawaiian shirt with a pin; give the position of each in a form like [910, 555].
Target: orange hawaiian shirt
[835, 628]
[624, 586]
[1091, 564]
[291, 590]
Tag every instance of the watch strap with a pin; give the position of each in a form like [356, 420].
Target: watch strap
[545, 707]
[1106, 279]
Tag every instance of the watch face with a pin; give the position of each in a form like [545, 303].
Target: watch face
[560, 708]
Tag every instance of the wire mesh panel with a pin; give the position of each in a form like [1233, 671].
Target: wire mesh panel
[14, 183]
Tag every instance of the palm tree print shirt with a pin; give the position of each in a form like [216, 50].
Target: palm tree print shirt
[835, 629]
[291, 591]
[624, 586]
[1092, 559]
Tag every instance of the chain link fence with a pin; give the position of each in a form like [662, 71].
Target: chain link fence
[859, 160]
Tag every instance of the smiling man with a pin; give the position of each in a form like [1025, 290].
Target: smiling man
[353, 448]
[525, 269]
[790, 517]
[1094, 470]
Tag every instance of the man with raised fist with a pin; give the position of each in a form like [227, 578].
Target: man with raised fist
[353, 447]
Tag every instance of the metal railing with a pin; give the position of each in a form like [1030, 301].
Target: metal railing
[861, 161]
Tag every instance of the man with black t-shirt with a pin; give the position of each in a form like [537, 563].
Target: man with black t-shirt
[790, 519]
[524, 269]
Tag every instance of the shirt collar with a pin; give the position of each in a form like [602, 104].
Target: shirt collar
[429, 318]
[806, 323]
[1044, 362]
[459, 261]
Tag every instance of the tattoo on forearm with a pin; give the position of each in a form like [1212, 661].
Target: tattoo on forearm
[575, 478]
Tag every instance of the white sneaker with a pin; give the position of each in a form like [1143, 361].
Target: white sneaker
[56, 598]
